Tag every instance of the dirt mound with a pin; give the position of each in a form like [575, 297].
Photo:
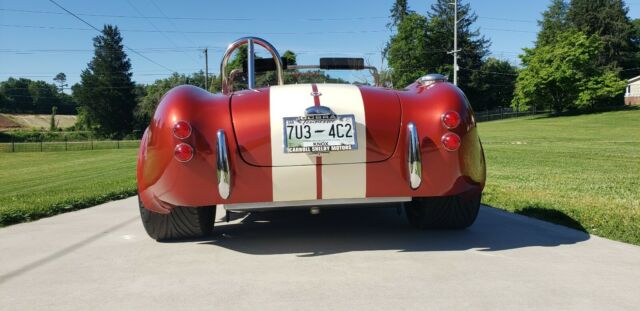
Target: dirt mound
[7, 123]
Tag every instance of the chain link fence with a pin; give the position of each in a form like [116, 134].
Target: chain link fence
[44, 145]
[505, 113]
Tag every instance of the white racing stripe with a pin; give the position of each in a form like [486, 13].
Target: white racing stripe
[294, 174]
[345, 181]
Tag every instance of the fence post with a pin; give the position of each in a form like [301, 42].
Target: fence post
[501, 113]
[13, 144]
[41, 139]
[65, 143]
[91, 138]
[117, 144]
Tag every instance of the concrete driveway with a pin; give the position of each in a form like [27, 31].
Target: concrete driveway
[365, 259]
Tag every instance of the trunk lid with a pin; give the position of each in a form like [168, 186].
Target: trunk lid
[259, 127]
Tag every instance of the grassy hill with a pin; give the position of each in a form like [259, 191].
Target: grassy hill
[580, 171]
[36, 121]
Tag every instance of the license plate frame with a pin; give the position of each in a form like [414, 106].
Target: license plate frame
[320, 124]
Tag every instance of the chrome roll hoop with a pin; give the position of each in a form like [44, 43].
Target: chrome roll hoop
[414, 158]
[223, 171]
[227, 86]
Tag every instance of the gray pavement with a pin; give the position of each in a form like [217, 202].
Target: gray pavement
[347, 259]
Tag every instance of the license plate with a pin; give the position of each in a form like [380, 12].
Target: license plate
[320, 134]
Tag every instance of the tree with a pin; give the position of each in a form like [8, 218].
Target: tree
[106, 92]
[52, 122]
[407, 50]
[554, 21]
[609, 20]
[18, 95]
[566, 75]
[44, 96]
[495, 81]
[399, 11]
[473, 46]
[61, 79]
[421, 46]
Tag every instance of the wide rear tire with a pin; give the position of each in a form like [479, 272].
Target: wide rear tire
[181, 223]
[451, 212]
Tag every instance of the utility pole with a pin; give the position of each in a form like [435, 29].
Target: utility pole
[206, 69]
[455, 42]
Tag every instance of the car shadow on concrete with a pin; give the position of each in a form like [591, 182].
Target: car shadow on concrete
[342, 230]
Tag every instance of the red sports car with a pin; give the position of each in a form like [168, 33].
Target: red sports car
[311, 146]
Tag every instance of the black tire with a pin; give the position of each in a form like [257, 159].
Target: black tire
[451, 212]
[181, 223]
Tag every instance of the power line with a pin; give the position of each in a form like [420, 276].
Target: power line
[156, 28]
[206, 32]
[98, 30]
[222, 19]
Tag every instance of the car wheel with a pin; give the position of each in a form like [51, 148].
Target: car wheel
[181, 223]
[451, 212]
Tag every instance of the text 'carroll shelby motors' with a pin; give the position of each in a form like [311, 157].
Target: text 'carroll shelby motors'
[308, 145]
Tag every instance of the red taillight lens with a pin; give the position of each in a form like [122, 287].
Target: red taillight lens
[450, 119]
[451, 141]
[182, 130]
[183, 152]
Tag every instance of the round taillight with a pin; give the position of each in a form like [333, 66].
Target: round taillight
[183, 152]
[182, 130]
[451, 141]
[450, 119]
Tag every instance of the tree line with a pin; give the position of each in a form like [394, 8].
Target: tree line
[583, 53]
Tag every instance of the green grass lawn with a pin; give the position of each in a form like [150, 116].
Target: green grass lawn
[39, 184]
[580, 171]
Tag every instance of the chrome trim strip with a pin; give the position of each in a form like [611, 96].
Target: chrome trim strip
[414, 158]
[227, 83]
[251, 59]
[222, 166]
[270, 205]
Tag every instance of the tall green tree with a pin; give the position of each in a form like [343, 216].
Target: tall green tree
[407, 50]
[61, 79]
[609, 20]
[472, 45]
[554, 21]
[106, 92]
[566, 75]
[398, 11]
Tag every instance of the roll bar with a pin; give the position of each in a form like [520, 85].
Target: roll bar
[251, 68]
[251, 73]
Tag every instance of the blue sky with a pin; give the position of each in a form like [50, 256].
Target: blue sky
[38, 40]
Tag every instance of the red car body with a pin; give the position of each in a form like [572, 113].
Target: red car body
[262, 178]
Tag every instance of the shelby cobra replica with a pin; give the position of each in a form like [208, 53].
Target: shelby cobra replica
[308, 145]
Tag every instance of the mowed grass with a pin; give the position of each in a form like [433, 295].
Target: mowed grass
[579, 171]
[39, 184]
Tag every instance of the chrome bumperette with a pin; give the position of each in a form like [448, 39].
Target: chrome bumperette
[222, 166]
[414, 158]
[250, 41]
